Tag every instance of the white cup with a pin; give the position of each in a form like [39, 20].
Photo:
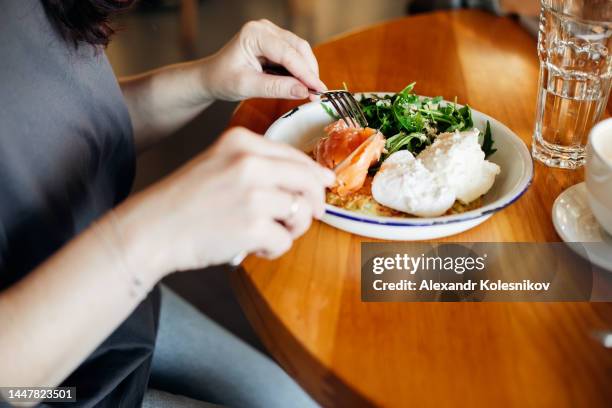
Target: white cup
[599, 173]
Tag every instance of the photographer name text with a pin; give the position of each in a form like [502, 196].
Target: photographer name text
[423, 265]
[469, 285]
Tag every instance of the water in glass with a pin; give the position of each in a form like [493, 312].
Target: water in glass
[574, 47]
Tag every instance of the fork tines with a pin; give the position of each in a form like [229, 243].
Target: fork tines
[346, 107]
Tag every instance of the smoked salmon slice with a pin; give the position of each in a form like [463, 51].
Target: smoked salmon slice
[341, 141]
[349, 151]
[352, 171]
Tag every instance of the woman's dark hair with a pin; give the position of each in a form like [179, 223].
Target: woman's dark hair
[85, 20]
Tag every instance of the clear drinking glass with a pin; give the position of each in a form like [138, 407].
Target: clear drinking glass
[575, 51]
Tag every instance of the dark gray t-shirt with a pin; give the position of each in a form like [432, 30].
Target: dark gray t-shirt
[66, 157]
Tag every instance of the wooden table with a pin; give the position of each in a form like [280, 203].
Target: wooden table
[306, 305]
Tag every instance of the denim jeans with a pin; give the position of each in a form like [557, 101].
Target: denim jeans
[197, 362]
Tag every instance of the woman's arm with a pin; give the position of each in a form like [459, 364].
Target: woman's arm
[163, 100]
[228, 200]
[58, 314]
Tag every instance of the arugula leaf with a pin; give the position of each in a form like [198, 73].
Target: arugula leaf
[410, 122]
[487, 141]
[413, 141]
[466, 114]
[408, 89]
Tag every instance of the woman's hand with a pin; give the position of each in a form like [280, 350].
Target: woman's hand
[163, 100]
[235, 72]
[244, 194]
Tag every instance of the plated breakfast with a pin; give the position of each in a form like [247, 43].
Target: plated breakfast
[419, 157]
[424, 168]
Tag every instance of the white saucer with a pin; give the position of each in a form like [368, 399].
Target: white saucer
[575, 223]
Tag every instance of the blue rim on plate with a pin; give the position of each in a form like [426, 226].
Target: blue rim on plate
[468, 216]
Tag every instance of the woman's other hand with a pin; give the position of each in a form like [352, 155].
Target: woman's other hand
[244, 194]
[235, 72]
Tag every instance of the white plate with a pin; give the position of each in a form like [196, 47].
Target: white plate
[303, 126]
[575, 223]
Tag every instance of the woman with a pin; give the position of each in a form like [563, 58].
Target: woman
[79, 263]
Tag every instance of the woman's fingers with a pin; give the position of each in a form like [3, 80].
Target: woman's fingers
[296, 178]
[273, 239]
[301, 46]
[275, 86]
[277, 190]
[277, 49]
[235, 72]
[258, 172]
[299, 216]
[242, 140]
[290, 209]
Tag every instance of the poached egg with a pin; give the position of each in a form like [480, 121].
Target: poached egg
[459, 161]
[404, 184]
[452, 168]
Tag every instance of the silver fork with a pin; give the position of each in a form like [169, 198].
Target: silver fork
[346, 107]
[344, 103]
